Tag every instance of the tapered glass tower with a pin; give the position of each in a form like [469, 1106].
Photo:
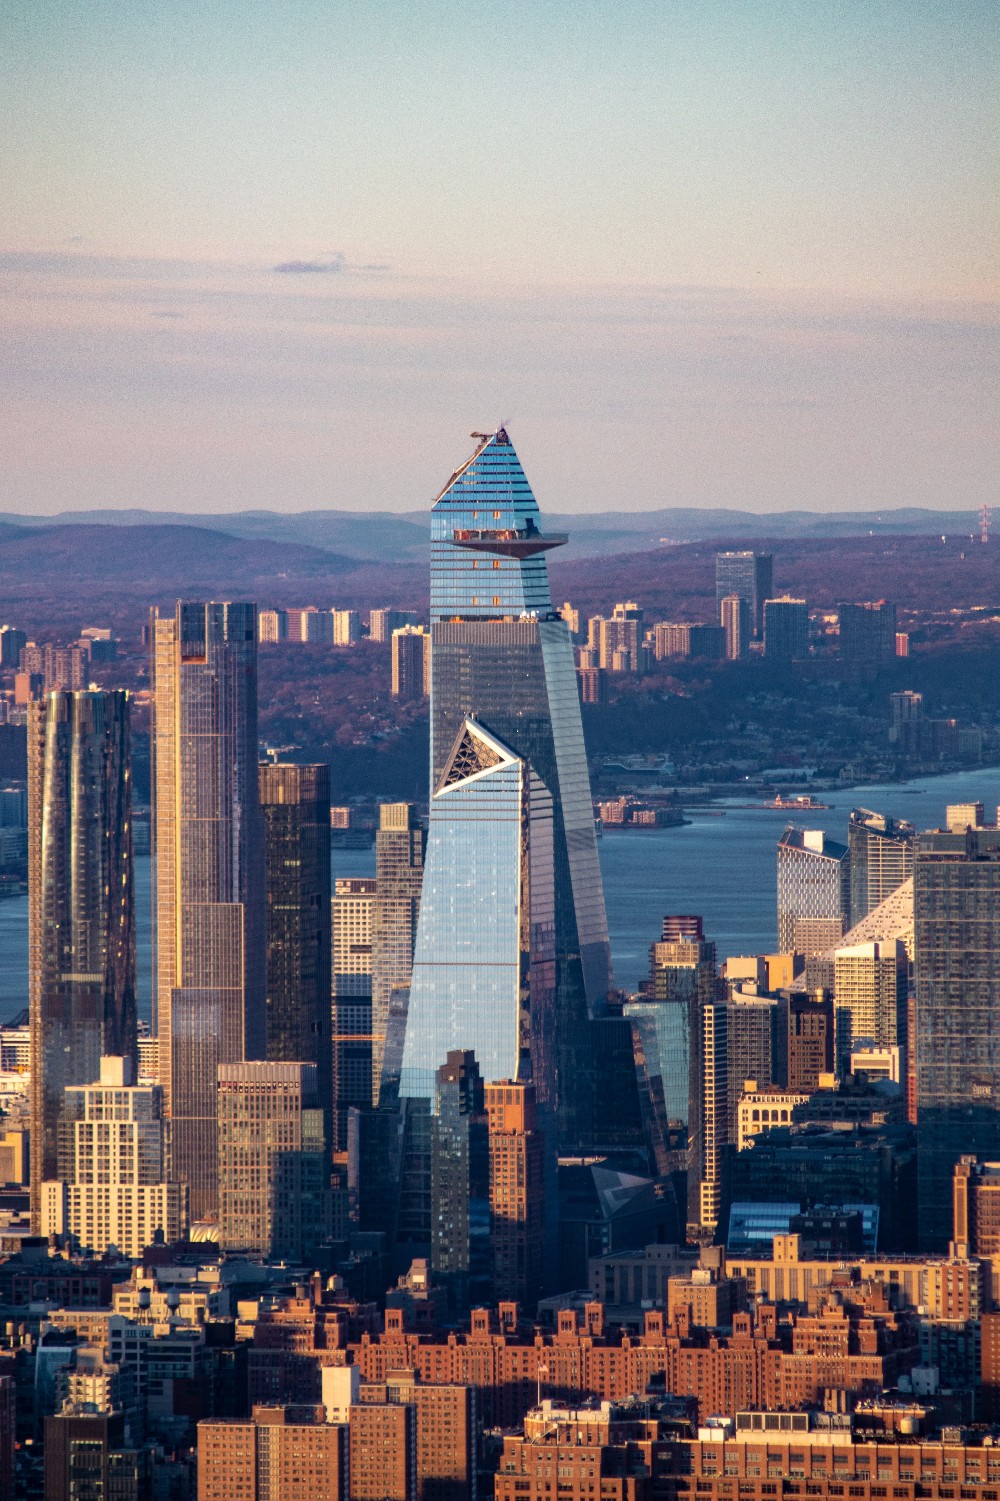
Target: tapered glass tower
[209, 848]
[80, 900]
[503, 678]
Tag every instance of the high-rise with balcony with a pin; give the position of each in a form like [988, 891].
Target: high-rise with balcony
[507, 758]
[81, 920]
[209, 849]
[814, 891]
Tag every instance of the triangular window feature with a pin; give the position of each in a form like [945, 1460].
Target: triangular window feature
[470, 756]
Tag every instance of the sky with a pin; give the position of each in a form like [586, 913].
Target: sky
[692, 252]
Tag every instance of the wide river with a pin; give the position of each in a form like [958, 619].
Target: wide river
[721, 865]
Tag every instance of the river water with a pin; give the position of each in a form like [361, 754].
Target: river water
[721, 867]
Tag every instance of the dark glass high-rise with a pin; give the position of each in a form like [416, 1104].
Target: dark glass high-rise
[295, 804]
[80, 898]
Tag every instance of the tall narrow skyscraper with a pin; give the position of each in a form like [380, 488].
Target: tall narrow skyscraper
[209, 849]
[80, 899]
[295, 804]
[502, 663]
[400, 845]
[956, 912]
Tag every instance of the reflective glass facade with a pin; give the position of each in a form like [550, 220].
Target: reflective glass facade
[81, 912]
[748, 576]
[500, 653]
[399, 871]
[209, 850]
[483, 972]
[295, 803]
[956, 911]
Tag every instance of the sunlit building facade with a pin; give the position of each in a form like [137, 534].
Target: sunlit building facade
[209, 849]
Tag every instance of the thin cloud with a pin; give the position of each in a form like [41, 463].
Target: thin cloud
[311, 268]
[336, 264]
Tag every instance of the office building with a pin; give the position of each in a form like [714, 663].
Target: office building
[868, 631]
[383, 1459]
[502, 660]
[518, 1208]
[353, 921]
[671, 639]
[81, 918]
[89, 1454]
[274, 1183]
[619, 638]
[12, 644]
[682, 977]
[751, 1046]
[976, 1208]
[400, 845]
[411, 662]
[593, 685]
[956, 910]
[295, 806]
[209, 859]
[961, 816]
[748, 575]
[484, 966]
[461, 1247]
[310, 624]
[708, 1119]
[870, 987]
[572, 618]
[272, 625]
[786, 629]
[735, 618]
[806, 1040]
[280, 1454]
[112, 1188]
[346, 627]
[382, 623]
[906, 730]
[881, 859]
[814, 883]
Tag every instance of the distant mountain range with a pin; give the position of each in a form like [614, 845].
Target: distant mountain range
[386, 537]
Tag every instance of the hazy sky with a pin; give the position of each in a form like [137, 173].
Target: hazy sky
[693, 252]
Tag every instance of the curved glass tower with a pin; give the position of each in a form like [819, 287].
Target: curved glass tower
[502, 672]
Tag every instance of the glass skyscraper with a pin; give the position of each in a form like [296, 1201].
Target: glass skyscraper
[503, 684]
[747, 575]
[484, 969]
[209, 849]
[80, 901]
[956, 912]
[295, 808]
